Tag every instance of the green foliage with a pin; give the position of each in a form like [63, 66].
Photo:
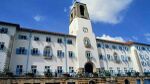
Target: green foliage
[107, 73]
[48, 74]
[137, 74]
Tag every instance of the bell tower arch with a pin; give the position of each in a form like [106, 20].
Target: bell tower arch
[79, 10]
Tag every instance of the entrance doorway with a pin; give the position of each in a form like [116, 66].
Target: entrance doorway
[92, 82]
[88, 67]
[127, 81]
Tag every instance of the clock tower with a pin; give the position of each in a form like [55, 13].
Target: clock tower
[86, 46]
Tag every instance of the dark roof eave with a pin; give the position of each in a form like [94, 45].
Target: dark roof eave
[37, 31]
[137, 43]
[123, 43]
[115, 42]
[10, 24]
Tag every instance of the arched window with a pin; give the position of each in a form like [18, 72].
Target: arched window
[82, 10]
[48, 52]
[116, 58]
[87, 42]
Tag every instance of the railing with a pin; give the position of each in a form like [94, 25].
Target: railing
[78, 75]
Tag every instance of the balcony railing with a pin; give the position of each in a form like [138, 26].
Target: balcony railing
[78, 75]
[89, 57]
[48, 57]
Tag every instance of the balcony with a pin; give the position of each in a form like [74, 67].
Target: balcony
[89, 57]
[48, 57]
[88, 45]
[117, 60]
[102, 74]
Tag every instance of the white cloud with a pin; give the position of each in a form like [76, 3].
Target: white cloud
[38, 18]
[148, 39]
[135, 38]
[107, 37]
[147, 36]
[107, 11]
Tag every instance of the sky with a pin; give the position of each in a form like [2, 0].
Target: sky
[122, 20]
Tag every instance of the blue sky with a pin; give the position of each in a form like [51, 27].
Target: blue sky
[126, 20]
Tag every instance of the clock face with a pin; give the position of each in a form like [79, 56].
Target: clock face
[85, 30]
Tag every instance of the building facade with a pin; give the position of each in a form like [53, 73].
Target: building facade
[24, 50]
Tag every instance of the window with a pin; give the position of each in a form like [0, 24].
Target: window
[101, 57]
[2, 46]
[126, 48]
[147, 57]
[148, 49]
[145, 70]
[111, 70]
[116, 58]
[87, 42]
[125, 70]
[22, 37]
[70, 54]
[34, 69]
[129, 58]
[47, 69]
[106, 46]
[126, 59]
[131, 70]
[48, 39]
[35, 51]
[71, 15]
[21, 51]
[102, 69]
[111, 58]
[141, 56]
[98, 45]
[48, 52]
[82, 10]
[69, 41]
[71, 70]
[138, 47]
[60, 53]
[4, 30]
[118, 68]
[88, 54]
[143, 63]
[114, 47]
[59, 40]
[120, 48]
[59, 69]
[85, 29]
[19, 69]
[143, 48]
[148, 63]
[36, 38]
[108, 57]
[123, 58]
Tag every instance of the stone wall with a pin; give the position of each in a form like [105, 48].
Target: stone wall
[44, 80]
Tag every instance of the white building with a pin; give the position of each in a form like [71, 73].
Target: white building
[25, 50]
